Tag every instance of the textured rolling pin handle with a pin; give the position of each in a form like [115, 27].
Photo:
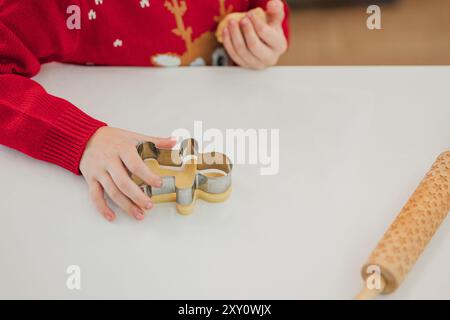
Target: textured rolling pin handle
[412, 230]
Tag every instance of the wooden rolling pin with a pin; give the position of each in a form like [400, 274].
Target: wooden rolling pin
[411, 231]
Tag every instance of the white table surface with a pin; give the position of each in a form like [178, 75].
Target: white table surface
[354, 144]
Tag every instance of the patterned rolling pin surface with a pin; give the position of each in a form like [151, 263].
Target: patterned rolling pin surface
[412, 230]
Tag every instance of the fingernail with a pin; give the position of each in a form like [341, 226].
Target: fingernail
[149, 205]
[172, 138]
[109, 218]
[138, 215]
[159, 184]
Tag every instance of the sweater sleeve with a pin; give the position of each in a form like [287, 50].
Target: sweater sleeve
[31, 120]
[263, 4]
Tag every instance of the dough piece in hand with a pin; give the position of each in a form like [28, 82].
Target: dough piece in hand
[237, 16]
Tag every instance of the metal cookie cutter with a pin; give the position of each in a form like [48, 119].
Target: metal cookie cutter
[187, 175]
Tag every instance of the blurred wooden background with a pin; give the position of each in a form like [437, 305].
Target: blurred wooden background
[413, 32]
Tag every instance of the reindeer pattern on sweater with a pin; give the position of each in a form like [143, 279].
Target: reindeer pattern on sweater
[203, 50]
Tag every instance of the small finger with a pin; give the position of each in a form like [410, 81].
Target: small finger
[269, 35]
[97, 196]
[120, 199]
[123, 181]
[259, 49]
[165, 143]
[240, 46]
[275, 12]
[230, 49]
[136, 166]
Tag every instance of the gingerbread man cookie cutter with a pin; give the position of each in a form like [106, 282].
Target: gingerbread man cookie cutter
[186, 174]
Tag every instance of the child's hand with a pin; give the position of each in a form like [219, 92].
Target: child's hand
[253, 43]
[107, 160]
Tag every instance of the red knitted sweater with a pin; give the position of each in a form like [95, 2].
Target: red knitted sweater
[102, 32]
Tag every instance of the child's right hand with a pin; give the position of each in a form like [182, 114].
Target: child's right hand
[254, 43]
[106, 162]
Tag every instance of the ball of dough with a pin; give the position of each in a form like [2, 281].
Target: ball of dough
[237, 16]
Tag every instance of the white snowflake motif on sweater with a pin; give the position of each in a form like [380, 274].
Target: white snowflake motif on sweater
[97, 2]
[145, 3]
[92, 15]
[118, 43]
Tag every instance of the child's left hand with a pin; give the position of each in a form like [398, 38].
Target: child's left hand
[253, 43]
